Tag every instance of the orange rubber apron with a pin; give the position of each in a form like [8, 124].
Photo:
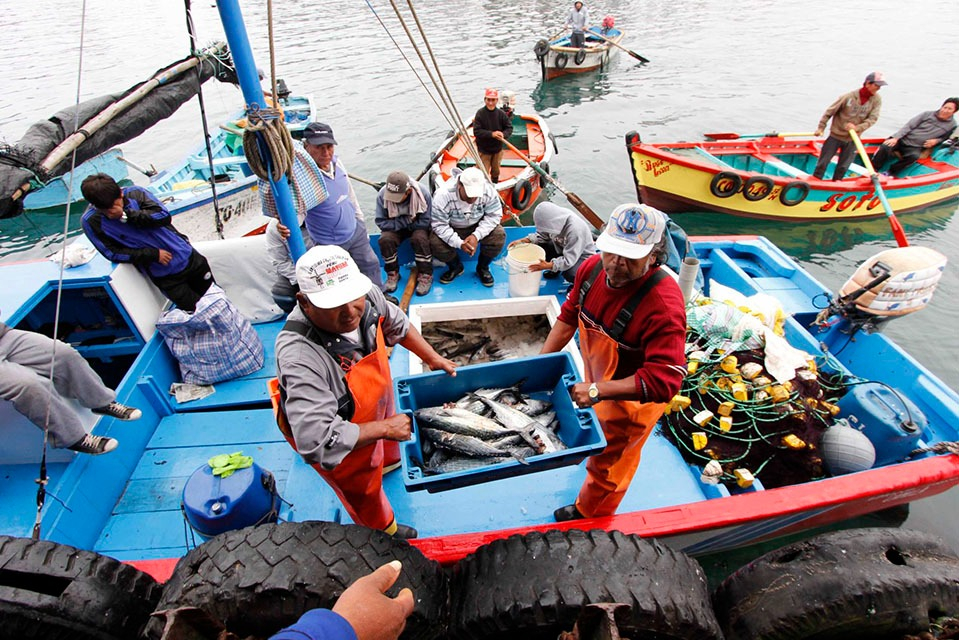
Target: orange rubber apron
[358, 479]
[626, 424]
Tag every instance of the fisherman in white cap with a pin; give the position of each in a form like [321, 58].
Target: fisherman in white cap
[335, 386]
[632, 333]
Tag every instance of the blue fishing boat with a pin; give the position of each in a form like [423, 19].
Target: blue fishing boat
[128, 504]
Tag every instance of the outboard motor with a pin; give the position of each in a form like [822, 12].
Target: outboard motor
[508, 102]
[890, 284]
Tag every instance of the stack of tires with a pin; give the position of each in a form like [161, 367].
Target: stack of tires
[260, 579]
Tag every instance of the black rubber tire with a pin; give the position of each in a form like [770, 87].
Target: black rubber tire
[580, 56]
[735, 182]
[792, 201]
[855, 584]
[757, 188]
[53, 591]
[541, 48]
[522, 194]
[561, 60]
[260, 579]
[534, 586]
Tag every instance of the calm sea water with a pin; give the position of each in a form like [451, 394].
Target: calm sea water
[746, 66]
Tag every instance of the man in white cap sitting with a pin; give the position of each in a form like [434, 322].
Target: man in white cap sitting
[632, 333]
[466, 216]
[336, 391]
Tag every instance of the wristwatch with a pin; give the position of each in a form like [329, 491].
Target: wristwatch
[593, 393]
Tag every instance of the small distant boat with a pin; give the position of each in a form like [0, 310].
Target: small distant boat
[557, 58]
[771, 177]
[185, 188]
[519, 185]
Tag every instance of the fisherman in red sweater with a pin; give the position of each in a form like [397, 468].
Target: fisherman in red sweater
[632, 333]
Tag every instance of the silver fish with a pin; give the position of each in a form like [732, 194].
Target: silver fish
[457, 463]
[516, 421]
[466, 445]
[461, 421]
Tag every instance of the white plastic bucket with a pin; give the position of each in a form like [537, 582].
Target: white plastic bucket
[522, 281]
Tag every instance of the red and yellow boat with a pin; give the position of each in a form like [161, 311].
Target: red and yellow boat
[771, 177]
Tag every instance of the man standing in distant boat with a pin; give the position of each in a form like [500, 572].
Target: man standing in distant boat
[564, 236]
[922, 132]
[491, 126]
[404, 210]
[338, 220]
[131, 225]
[577, 20]
[336, 391]
[632, 333]
[857, 110]
[466, 217]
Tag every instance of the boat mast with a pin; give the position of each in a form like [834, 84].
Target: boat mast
[232, 18]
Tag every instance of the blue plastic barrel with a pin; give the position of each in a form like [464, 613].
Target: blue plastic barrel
[891, 421]
[213, 505]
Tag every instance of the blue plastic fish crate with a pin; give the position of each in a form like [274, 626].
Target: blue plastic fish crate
[547, 377]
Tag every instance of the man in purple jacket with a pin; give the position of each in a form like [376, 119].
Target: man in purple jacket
[131, 225]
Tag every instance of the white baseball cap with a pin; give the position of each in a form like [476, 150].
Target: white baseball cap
[633, 231]
[473, 182]
[330, 278]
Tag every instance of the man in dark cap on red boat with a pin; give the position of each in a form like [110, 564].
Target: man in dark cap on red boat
[857, 110]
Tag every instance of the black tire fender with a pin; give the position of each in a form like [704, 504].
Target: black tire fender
[791, 201]
[54, 591]
[541, 48]
[725, 183]
[858, 583]
[534, 586]
[522, 194]
[757, 188]
[260, 579]
[580, 56]
[561, 60]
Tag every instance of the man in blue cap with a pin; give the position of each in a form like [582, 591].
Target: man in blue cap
[338, 220]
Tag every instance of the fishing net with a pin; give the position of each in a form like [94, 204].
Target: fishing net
[736, 419]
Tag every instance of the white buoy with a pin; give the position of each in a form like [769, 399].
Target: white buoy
[846, 450]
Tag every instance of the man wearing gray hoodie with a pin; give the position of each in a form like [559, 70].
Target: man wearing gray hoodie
[566, 238]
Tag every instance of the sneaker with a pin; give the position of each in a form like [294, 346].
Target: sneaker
[94, 445]
[424, 282]
[119, 411]
[550, 275]
[486, 278]
[567, 513]
[392, 281]
[404, 532]
[452, 273]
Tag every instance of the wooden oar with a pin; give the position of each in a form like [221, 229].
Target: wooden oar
[375, 185]
[897, 229]
[616, 44]
[574, 199]
[736, 136]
